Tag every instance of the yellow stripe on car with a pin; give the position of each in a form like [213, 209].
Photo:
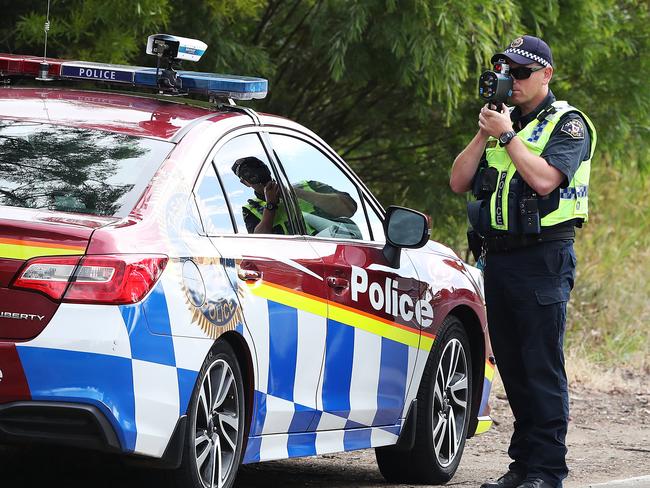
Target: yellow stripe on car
[484, 424]
[22, 249]
[341, 313]
[291, 298]
[489, 371]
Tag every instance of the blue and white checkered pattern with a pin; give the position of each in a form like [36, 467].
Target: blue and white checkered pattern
[537, 131]
[107, 356]
[282, 446]
[320, 385]
[303, 401]
[526, 54]
[574, 193]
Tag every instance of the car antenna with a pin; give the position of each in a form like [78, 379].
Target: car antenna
[44, 67]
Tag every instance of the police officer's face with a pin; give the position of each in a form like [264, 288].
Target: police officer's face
[526, 90]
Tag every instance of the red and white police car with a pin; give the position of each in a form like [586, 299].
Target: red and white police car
[154, 302]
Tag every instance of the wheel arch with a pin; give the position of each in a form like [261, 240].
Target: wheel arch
[243, 353]
[472, 326]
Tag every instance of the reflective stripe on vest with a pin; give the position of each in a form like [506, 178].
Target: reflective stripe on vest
[573, 202]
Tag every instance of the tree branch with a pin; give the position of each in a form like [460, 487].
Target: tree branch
[268, 13]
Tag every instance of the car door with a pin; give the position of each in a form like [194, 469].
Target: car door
[373, 332]
[279, 283]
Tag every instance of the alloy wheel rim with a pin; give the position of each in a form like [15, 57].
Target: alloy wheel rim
[216, 427]
[450, 396]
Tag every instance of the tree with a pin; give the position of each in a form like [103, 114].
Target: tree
[390, 84]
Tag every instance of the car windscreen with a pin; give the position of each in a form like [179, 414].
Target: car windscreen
[73, 169]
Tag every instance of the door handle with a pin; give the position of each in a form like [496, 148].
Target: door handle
[337, 283]
[249, 274]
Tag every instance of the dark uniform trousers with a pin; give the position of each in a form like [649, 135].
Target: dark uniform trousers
[527, 291]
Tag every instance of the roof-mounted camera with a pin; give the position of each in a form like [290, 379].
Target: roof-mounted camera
[170, 51]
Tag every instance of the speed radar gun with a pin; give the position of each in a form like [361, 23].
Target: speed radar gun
[495, 86]
[170, 51]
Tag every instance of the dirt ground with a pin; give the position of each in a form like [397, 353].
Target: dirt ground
[609, 438]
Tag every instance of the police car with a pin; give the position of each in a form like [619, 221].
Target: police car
[146, 310]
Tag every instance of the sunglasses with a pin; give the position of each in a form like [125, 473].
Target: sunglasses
[523, 72]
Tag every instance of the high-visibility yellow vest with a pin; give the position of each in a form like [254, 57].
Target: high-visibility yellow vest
[281, 218]
[573, 201]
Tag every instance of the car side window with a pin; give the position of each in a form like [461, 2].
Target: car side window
[376, 222]
[328, 200]
[212, 205]
[245, 170]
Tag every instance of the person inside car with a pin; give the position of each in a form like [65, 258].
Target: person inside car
[320, 204]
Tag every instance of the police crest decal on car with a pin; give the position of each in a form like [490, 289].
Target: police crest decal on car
[209, 296]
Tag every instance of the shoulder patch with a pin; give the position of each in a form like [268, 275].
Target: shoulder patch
[575, 128]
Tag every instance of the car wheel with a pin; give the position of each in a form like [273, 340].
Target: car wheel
[214, 441]
[443, 411]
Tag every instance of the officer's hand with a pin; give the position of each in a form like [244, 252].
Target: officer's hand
[272, 192]
[494, 123]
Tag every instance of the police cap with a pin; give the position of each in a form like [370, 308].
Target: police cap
[525, 50]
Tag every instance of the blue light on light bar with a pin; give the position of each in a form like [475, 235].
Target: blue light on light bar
[237, 87]
[230, 86]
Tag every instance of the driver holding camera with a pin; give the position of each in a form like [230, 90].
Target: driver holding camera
[528, 168]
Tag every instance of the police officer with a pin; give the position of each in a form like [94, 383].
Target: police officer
[529, 170]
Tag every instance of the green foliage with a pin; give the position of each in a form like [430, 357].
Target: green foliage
[609, 312]
[392, 84]
[103, 31]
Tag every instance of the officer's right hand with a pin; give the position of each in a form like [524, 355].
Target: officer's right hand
[272, 192]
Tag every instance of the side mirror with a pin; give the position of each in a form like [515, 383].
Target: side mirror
[404, 228]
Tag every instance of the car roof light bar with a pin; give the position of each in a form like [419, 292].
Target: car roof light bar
[209, 84]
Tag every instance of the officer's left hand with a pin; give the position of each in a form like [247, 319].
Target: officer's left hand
[495, 123]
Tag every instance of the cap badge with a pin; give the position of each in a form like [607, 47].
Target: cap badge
[517, 42]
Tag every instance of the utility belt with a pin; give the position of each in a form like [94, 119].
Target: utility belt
[509, 242]
[504, 242]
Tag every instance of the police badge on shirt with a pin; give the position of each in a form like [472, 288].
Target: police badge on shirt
[575, 128]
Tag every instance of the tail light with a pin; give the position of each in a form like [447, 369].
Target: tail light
[106, 279]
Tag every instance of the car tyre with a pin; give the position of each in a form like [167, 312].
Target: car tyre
[443, 412]
[215, 435]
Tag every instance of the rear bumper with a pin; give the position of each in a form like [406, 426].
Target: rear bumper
[67, 424]
[105, 356]
[79, 426]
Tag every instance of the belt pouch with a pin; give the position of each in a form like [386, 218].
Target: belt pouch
[529, 214]
[475, 243]
[478, 213]
[513, 213]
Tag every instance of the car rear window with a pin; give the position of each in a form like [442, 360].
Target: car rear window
[73, 169]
